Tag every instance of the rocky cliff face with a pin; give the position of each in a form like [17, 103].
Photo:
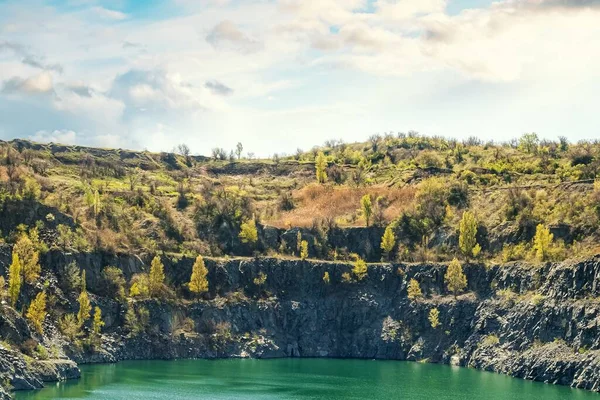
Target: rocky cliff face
[537, 323]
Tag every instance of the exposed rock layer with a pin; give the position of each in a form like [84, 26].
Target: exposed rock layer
[534, 323]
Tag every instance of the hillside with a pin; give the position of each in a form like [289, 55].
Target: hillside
[142, 202]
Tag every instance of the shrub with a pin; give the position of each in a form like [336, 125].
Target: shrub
[14, 279]
[388, 241]
[260, 279]
[114, 282]
[366, 207]
[490, 341]
[303, 249]
[29, 257]
[248, 232]
[467, 240]
[198, 282]
[69, 326]
[414, 290]
[98, 322]
[360, 268]
[434, 318]
[137, 321]
[542, 242]
[432, 198]
[139, 285]
[320, 166]
[455, 279]
[37, 312]
[156, 278]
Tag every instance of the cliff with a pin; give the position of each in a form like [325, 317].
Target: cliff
[538, 323]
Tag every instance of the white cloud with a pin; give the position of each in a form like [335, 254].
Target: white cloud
[258, 67]
[40, 83]
[57, 136]
[105, 13]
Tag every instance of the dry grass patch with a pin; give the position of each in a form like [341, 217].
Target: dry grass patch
[314, 202]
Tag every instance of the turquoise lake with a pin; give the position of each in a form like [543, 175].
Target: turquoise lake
[296, 379]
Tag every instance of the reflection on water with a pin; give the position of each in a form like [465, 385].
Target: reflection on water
[296, 379]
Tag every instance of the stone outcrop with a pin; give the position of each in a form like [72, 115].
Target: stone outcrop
[539, 323]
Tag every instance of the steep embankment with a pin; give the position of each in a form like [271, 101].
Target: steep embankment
[534, 323]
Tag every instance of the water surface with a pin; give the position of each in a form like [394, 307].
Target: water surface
[296, 379]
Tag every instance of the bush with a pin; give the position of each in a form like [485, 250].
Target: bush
[114, 283]
[137, 321]
[414, 290]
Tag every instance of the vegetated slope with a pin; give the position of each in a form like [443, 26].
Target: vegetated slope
[120, 215]
[142, 202]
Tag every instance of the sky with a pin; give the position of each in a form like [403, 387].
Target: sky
[277, 75]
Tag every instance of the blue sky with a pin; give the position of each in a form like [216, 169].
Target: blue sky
[284, 74]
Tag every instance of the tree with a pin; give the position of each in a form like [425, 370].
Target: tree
[467, 240]
[529, 142]
[97, 324]
[14, 279]
[320, 166]
[2, 288]
[198, 282]
[85, 307]
[248, 232]
[37, 312]
[70, 327]
[133, 174]
[139, 286]
[367, 207]
[326, 277]
[114, 282]
[303, 249]
[238, 150]
[542, 242]
[156, 277]
[434, 317]
[360, 268]
[414, 290]
[29, 257]
[388, 241]
[455, 279]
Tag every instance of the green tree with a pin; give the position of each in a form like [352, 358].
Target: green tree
[303, 249]
[156, 277]
[388, 241]
[85, 307]
[29, 257]
[139, 286]
[14, 279]
[360, 268]
[320, 166]
[367, 207]
[326, 277]
[414, 290]
[434, 317]
[467, 240]
[542, 242]
[37, 312]
[248, 232]
[455, 279]
[529, 142]
[198, 281]
[98, 323]
[70, 327]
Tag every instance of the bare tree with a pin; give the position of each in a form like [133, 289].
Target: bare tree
[133, 175]
[238, 150]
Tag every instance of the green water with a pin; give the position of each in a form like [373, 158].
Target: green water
[297, 379]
